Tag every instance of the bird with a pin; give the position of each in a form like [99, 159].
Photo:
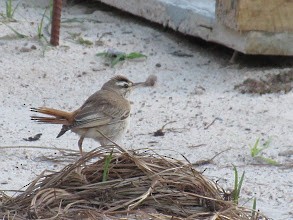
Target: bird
[104, 116]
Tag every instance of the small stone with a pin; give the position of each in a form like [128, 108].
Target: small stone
[286, 153]
[25, 49]
[198, 90]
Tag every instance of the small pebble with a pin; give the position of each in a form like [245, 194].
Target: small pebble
[25, 49]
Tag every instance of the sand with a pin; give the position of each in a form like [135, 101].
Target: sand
[195, 92]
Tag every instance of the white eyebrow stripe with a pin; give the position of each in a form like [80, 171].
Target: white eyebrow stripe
[121, 83]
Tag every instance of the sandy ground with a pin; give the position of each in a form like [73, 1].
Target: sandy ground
[192, 92]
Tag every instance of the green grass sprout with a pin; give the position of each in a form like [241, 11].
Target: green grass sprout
[117, 56]
[9, 8]
[40, 26]
[76, 37]
[253, 213]
[19, 35]
[237, 185]
[51, 10]
[106, 166]
[83, 41]
[257, 149]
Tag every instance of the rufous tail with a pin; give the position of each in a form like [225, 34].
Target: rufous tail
[58, 117]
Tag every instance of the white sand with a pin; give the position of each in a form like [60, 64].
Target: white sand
[66, 75]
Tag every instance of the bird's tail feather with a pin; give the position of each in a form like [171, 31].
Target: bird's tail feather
[57, 116]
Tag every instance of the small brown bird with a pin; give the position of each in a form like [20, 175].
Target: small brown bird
[104, 116]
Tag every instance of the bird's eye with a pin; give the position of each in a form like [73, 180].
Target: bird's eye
[126, 85]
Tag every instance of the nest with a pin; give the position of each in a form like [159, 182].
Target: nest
[136, 185]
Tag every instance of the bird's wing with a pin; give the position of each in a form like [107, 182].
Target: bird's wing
[99, 110]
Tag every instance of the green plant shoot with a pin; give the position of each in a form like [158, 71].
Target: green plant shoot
[40, 26]
[9, 8]
[237, 185]
[106, 166]
[117, 56]
[256, 150]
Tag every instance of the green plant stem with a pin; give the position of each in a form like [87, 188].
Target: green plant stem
[9, 8]
[106, 166]
[237, 185]
[253, 209]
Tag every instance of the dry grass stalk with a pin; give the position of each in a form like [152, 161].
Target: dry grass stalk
[137, 182]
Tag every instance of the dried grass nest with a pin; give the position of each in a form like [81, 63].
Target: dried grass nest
[139, 185]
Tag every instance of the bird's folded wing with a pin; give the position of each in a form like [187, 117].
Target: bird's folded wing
[97, 112]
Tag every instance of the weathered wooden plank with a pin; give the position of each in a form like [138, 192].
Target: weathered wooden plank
[257, 15]
[198, 18]
[187, 16]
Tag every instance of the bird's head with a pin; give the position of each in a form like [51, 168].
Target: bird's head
[124, 86]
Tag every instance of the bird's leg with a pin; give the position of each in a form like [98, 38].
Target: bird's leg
[80, 144]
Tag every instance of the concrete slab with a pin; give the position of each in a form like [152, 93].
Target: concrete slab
[197, 18]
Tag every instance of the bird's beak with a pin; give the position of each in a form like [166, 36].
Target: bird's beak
[150, 81]
[139, 84]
